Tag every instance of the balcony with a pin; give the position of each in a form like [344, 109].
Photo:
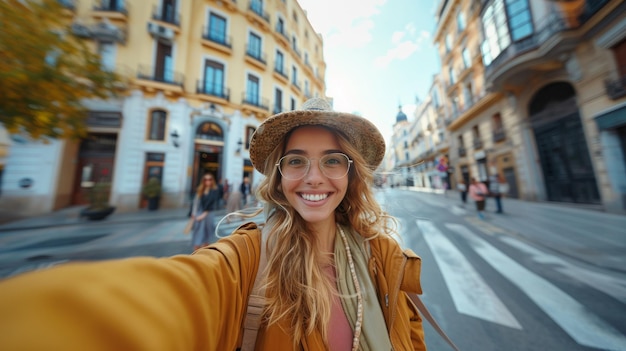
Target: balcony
[110, 10]
[258, 15]
[477, 143]
[168, 81]
[217, 41]
[256, 58]
[462, 152]
[499, 135]
[554, 36]
[253, 104]
[167, 15]
[615, 88]
[281, 75]
[214, 90]
[281, 36]
[230, 5]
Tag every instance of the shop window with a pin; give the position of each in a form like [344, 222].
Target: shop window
[156, 125]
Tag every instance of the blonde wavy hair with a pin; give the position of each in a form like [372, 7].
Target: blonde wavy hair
[297, 289]
[202, 187]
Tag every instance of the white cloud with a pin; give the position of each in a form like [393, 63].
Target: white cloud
[345, 23]
[405, 43]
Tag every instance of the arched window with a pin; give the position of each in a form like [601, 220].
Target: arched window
[156, 125]
[209, 131]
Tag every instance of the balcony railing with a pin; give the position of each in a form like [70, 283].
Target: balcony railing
[162, 76]
[257, 7]
[462, 152]
[281, 72]
[477, 143]
[108, 6]
[217, 90]
[259, 56]
[499, 135]
[167, 15]
[217, 37]
[616, 88]
[255, 100]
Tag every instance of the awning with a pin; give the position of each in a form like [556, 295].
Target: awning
[612, 119]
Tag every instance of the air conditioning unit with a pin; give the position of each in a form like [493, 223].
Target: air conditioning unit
[160, 31]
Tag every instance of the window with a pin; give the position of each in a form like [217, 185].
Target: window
[460, 21]
[164, 71]
[217, 28]
[451, 75]
[280, 62]
[468, 96]
[257, 6]
[252, 90]
[495, 31]
[497, 122]
[448, 42]
[278, 101]
[214, 78]
[156, 126]
[294, 75]
[254, 45]
[307, 91]
[467, 58]
[280, 26]
[293, 104]
[520, 22]
[107, 55]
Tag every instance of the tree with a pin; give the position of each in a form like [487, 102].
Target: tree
[46, 71]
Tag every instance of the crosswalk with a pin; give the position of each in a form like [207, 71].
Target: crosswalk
[473, 296]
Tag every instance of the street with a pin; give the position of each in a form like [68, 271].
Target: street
[538, 277]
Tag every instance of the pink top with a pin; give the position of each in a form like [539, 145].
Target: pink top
[477, 188]
[340, 332]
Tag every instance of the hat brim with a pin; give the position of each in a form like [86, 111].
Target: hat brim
[362, 133]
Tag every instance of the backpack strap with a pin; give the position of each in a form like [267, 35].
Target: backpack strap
[429, 317]
[256, 303]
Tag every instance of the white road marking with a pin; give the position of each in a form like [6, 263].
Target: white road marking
[470, 293]
[611, 286]
[581, 324]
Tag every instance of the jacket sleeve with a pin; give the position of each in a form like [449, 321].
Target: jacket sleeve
[186, 302]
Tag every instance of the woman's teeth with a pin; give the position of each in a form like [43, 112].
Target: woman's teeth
[314, 197]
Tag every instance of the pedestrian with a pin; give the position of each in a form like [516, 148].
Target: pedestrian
[462, 188]
[205, 203]
[246, 190]
[501, 187]
[335, 277]
[233, 205]
[478, 191]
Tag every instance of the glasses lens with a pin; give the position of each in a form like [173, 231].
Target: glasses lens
[335, 165]
[293, 166]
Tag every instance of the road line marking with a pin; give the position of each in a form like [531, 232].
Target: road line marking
[581, 324]
[470, 293]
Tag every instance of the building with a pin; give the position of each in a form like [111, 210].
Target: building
[535, 90]
[204, 74]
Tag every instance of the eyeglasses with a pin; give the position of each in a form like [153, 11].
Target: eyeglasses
[294, 167]
[208, 179]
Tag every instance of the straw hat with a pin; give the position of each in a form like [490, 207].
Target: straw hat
[360, 132]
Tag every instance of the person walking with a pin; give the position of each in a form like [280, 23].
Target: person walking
[478, 192]
[501, 188]
[333, 276]
[246, 190]
[205, 203]
[462, 188]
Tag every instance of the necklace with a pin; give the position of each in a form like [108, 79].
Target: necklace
[359, 296]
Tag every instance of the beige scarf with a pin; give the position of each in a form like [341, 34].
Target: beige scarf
[374, 335]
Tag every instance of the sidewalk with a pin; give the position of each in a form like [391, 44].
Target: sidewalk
[71, 216]
[582, 232]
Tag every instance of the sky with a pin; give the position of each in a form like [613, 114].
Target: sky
[379, 54]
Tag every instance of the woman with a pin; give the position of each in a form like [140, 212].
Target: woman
[478, 191]
[204, 203]
[334, 280]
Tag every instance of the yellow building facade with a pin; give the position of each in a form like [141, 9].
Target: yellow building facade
[534, 90]
[203, 74]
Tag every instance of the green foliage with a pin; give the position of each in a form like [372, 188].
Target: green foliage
[152, 188]
[46, 71]
[99, 195]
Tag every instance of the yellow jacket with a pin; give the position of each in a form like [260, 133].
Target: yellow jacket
[185, 302]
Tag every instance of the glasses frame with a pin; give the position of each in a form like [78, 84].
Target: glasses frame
[308, 166]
